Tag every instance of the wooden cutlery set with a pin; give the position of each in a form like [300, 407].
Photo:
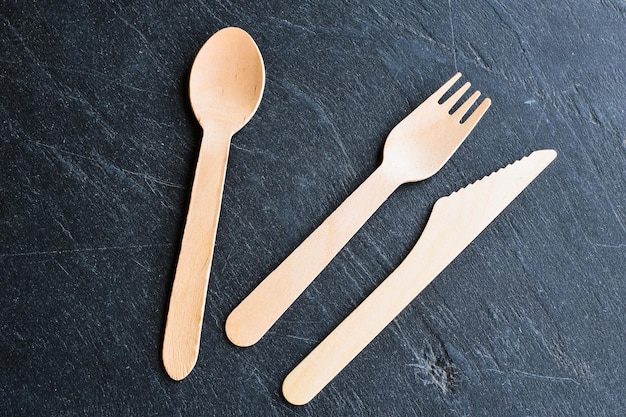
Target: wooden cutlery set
[226, 84]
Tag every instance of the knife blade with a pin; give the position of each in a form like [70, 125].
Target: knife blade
[455, 221]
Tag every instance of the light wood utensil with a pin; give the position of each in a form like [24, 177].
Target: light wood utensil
[225, 87]
[455, 221]
[414, 150]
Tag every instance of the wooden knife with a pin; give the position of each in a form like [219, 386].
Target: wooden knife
[455, 221]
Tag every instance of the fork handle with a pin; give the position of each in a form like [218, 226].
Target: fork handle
[254, 316]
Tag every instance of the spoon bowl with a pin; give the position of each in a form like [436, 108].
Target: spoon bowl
[227, 79]
[225, 88]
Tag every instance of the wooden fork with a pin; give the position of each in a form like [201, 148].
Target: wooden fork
[415, 150]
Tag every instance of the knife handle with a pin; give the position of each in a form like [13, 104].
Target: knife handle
[186, 309]
[360, 327]
[256, 314]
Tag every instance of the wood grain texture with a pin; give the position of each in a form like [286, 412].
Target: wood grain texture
[415, 150]
[455, 222]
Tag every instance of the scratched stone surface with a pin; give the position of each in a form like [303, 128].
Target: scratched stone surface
[98, 146]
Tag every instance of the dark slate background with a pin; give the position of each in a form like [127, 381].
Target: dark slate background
[98, 146]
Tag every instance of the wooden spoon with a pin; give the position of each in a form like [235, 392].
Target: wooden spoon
[225, 87]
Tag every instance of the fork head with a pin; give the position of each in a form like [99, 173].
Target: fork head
[424, 141]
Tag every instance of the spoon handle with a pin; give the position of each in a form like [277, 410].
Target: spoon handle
[186, 310]
[251, 319]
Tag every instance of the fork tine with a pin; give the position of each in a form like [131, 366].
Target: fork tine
[475, 117]
[444, 88]
[460, 112]
[452, 100]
